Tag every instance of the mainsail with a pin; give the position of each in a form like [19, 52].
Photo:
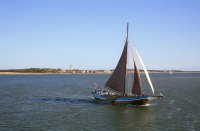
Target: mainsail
[145, 70]
[117, 80]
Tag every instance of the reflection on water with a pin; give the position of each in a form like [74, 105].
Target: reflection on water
[64, 102]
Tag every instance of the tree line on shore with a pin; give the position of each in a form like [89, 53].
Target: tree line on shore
[51, 70]
[34, 70]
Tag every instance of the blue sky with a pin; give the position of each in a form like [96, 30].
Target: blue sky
[90, 34]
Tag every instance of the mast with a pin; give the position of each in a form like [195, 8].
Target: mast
[117, 80]
[127, 31]
[127, 61]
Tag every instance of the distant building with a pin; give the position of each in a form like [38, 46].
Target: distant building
[106, 71]
[71, 68]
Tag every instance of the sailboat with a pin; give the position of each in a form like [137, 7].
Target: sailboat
[116, 84]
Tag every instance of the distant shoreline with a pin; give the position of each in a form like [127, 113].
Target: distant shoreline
[44, 71]
[32, 73]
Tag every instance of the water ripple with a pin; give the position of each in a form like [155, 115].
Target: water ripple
[60, 100]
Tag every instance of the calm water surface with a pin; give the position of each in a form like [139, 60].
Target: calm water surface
[64, 102]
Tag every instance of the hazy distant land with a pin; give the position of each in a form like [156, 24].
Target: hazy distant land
[77, 71]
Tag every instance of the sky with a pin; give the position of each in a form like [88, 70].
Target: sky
[90, 34]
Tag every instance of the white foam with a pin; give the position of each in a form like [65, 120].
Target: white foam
[142, 105]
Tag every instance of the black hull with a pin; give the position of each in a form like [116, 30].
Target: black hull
[134, 100]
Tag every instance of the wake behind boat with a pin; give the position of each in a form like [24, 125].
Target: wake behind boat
[116, 84]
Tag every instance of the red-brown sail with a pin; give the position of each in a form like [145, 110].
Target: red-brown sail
[117, 80]
[137, 82]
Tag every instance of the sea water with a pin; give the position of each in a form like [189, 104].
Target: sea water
[64, 102]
